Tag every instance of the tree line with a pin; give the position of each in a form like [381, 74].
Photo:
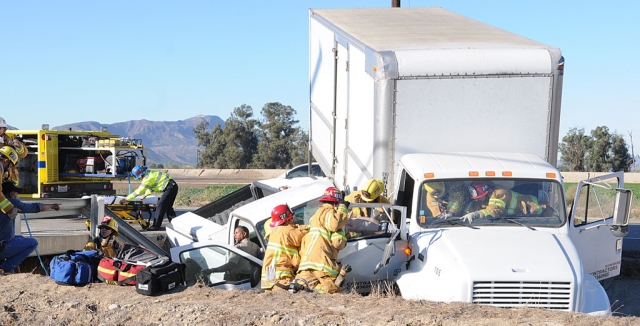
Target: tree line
[599, 151]
[276, 142]
[271, 142]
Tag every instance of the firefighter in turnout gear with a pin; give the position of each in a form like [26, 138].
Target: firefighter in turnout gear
[155, 181]
[8, 159]
[11, 174]
[492, 201]
[361, 221]
[106, 241]
[371, 192]
[282, 257]
[445, 199]
[320, 247]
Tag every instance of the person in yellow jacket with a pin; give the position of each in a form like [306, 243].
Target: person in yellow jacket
[8, 159]
[106, 241]
[489, 200]
[371, 192]
[155, 181]
[445, 199]
[282, 257]
[320, 247]
[5, 140]
[361, 221]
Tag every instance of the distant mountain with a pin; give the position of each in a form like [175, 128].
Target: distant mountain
[165, 142]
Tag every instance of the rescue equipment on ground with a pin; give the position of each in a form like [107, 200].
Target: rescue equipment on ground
[75, 267]
[155, 279]
[123, 269]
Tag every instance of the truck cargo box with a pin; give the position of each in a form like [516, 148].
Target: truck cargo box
[385, 82]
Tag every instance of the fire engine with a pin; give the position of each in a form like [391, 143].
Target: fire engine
[72, 164]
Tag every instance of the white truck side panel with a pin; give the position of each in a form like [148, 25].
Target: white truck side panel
[469, 114]
[359, 164]
[321, 88]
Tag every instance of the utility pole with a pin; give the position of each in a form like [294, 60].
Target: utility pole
[395, 3]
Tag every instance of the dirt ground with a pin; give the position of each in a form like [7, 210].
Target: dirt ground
[32, 299]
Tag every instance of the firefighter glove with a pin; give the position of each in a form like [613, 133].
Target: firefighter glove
[446, 215]
[13, 213]
[343, 272]
[471, 216]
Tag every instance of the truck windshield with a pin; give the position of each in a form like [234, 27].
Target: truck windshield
[528, 202]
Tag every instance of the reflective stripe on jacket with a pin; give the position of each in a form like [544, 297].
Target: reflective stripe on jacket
[356, 197]
[5, 204]
[153, 181]
[505, 202]
[453, 202]
[282, 253]
[320, 247]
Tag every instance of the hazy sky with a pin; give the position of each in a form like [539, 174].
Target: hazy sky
[113, 61]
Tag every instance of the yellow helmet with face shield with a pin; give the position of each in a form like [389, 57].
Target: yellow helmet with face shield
[437, 189]
[372, 189]
[10, 153]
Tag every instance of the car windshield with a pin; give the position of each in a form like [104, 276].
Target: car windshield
[512, 202]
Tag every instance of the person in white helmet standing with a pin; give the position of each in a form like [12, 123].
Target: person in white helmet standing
[21, 150]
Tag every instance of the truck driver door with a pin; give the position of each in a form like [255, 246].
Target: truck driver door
[590, 222]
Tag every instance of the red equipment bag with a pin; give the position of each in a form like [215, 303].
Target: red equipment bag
[115, 271]
[124, 268]
[107, 270]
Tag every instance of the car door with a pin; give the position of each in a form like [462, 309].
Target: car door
[376, 256]
[199, 256]
[590, 225]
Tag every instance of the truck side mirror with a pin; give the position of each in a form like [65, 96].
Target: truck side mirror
[621, 212]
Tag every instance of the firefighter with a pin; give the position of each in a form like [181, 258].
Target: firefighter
[15, 248]
[8, 159]
[371, 193]
[155, 181]
[360, 222]
[106, 241]
[21, 151]
[282, 257]
[320, 247]
[492, 201]
[445, 199]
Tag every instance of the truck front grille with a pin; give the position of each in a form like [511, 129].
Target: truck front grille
[550, 295]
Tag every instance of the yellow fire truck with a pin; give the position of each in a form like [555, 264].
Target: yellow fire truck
[72, 164]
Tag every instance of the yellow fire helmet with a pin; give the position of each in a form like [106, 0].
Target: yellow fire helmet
[108, 222]
[10, 153]
[436, 189]
[372, 189]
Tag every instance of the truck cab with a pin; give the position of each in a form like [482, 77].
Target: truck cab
[531, 250]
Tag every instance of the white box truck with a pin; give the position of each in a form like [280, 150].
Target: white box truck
[416, 96]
